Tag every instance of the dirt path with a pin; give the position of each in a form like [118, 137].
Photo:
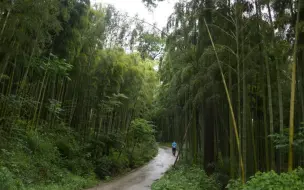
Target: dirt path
[142, 178]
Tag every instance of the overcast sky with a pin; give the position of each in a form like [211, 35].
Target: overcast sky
[133, 7]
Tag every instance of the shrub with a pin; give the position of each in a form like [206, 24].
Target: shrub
[80, 166]
[53, 158]
[7, 181]
[271, 180]
[36, 161]
[103, 167]
[183, 177]
[141, 142]
[120, 162]
[64, 148]
[69, 182]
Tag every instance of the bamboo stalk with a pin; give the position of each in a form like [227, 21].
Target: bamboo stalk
[292, 94]
[230, 106]
[183, 141]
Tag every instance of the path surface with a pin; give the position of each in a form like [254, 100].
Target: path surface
[142, 178]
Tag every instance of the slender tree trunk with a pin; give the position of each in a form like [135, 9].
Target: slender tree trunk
[39, 96]
[280, 100]
[5, 23]
[23, 82]
[73, 105]
[281, 112]
[269, 94]
[254, 148]
[231, 140]
[238, 58]
[9, 89]
[292, 93]
[42, 101]
[183, 141]
[194, 136]
[244, 126]
[238, 90]
[272, 155]
[230, 107]
[265, 128]
[201, 124]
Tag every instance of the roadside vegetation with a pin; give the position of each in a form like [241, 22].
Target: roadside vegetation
[74, 106]
[186, 177]
[232, 91]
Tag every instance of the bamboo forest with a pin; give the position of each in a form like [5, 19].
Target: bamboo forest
[93, 97]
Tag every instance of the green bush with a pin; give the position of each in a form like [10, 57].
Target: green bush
[141, 142]
[120, 162]
[271, 180]
[69, 182]
[143, 153]
[185, 178]
[54, 158]
[64, 148]
[33, 159]
[80, 166]
[7, 180]
[38, 144]
[103, 167]
[112, 165]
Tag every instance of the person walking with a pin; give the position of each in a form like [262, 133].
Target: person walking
[174, 145]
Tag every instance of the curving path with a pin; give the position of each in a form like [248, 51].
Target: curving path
[142, 178]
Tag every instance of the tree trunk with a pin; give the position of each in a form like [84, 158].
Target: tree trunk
[244, 126]
[230, 107]
[231, 139]
[39, 97]
[5, 22]
[269, 93]
[42, 101]
[265, 127]
[280, 100]
[292, 94]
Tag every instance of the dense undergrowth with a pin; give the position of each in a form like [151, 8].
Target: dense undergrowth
[51, 159]
[74, 105]
[193, 178]
[271, 180]
[185, 177]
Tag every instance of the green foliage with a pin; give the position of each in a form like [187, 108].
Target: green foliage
[103, 167]
[281, 140]
[7, 181]
[221, 170]
[54, 159]
[271, 180]
[141, 136]
[69, 92]
[69, 182]
[34, 161]
[185, 177]
[251, 51]
[140, 131]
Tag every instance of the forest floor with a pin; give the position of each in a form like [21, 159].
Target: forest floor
[142, 178]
